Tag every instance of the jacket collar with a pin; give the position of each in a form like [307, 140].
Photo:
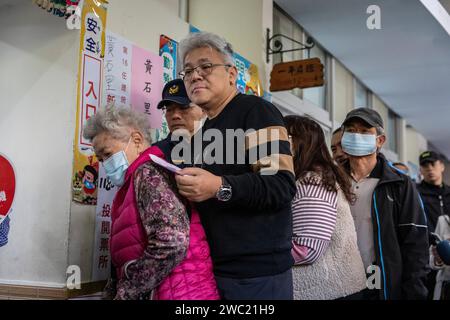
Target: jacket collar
[143, 157]
[387, 173]
[431, 189]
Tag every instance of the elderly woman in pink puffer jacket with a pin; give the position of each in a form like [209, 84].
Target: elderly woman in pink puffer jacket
[158, 249]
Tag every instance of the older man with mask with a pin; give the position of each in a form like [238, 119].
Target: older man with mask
[245, 207]
[389, 221]
[183, 119]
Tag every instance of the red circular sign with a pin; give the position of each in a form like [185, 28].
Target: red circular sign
[7, 186]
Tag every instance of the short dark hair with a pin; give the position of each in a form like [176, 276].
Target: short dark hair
[399, 164]
[336, 131]
[92, 170]
[312, 154]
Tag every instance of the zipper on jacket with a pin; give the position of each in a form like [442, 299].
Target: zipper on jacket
[380, 246]
[441, 204]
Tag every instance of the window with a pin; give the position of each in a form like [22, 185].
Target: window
[285, 25]
[361, 95]
[316, 95]
[391, 131]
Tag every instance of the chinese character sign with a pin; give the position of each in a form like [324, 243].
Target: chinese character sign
[89, 99]
[117, 70]
[101, 256]
[305, 73]
[93, 28]
[7, 187]
[132, 78]
[168, 49]
[90, 95]
[146, 84]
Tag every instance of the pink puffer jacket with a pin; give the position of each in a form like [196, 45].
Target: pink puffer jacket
[193, 278]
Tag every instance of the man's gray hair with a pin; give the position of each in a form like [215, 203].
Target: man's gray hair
[380, 131]
[206, 40]
[119, 122]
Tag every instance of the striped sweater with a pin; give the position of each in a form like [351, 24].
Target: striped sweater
[329, 264]
[314, 219]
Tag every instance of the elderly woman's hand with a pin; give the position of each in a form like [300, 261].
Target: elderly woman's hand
[197, 184]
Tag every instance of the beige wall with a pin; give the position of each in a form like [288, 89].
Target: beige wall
[37, 124]
[239, 22]
[379, 106]
[143, 21]
[343, 92]
[170, 5]
[415, 145]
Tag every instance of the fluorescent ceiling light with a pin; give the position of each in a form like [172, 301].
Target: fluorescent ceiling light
[438, 12]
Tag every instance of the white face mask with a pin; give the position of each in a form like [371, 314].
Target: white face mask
[116, 166]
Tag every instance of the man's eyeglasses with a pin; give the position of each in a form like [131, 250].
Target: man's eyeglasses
[203, 70]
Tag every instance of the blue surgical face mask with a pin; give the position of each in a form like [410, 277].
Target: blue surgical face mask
[357, 144]
[116, 166]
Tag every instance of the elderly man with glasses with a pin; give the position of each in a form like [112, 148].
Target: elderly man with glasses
[244, 206]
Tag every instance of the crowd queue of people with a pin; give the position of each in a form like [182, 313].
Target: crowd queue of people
[293, 222]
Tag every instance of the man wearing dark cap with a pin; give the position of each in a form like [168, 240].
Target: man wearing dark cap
[435, 196]
[389, 221]
[183, 117]
[435, 193]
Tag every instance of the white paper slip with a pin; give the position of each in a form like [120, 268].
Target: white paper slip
[163, 163]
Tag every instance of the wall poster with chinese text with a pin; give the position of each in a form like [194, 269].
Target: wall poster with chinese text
[89, 95]
[248, 81]
[132, 78]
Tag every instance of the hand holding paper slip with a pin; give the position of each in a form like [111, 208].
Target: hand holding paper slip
[163, 163]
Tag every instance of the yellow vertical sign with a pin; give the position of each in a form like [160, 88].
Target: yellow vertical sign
[89, 94]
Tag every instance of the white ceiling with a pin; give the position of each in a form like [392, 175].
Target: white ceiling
[406, 63]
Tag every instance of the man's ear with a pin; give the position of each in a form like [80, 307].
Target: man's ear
[442, 165]
[233, 75]
[380, 141]
[421, 170]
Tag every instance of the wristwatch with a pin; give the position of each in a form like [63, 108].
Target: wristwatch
[224, 193]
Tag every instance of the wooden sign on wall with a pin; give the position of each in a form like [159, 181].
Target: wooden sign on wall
[297, 74]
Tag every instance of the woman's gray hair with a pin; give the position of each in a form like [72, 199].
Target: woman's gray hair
[206, 40]
[119, 122]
